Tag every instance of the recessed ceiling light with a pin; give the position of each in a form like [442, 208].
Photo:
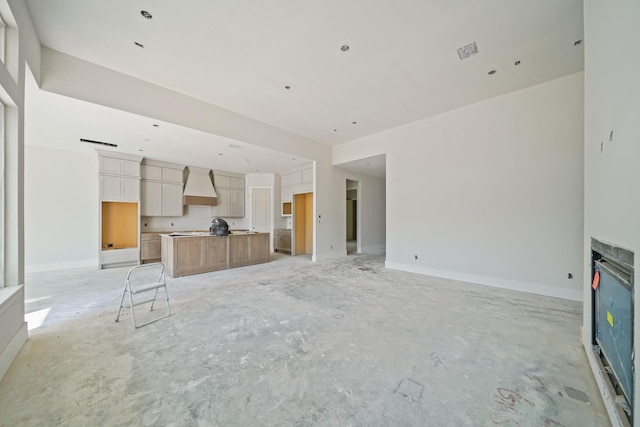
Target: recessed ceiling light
[466, 51]
[353, 123]
[146, 14]
[146, 139]
[335, 130]
[140, 149]
[139, 44]
[287, 87]
[492, 72]
[577, 42]
[156, 125]
[293, 158]
[516, 63]
[220, 154]
[345, 48]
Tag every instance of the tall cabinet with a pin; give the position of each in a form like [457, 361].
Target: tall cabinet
[119, 208]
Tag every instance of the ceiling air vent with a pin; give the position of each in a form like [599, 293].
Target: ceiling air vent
[90, 141]
[466, 51]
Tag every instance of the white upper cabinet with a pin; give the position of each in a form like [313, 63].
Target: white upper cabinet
[172, 199]
[119, 177]
[150, 198]
[113, 166]
[161, 189]
[230, 191]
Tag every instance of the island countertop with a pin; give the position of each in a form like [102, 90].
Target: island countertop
[186, 253]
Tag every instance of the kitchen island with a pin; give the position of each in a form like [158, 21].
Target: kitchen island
[196, 252]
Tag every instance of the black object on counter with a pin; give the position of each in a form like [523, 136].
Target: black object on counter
[219, 227]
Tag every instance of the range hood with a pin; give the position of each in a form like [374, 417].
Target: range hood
[199, 188]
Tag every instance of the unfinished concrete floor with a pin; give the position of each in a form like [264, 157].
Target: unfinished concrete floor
[291, 342]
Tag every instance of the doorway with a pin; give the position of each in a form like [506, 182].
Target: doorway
[303, 223]
[261, 210]
[352, 235]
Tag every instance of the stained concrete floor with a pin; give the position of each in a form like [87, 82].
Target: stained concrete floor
[291, 342]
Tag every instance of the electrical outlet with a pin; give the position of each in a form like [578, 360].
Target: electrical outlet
[416, 256]
[570, 276]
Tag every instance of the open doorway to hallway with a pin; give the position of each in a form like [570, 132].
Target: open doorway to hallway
[352, 233]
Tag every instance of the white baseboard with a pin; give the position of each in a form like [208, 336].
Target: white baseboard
[37, 268]
[374, 249]
[9, 353]
[329, 255]
[515, 285]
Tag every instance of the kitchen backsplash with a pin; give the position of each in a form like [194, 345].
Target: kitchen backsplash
[195, 218]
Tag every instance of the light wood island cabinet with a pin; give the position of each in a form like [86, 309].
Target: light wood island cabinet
[194, 253]
[150, 244]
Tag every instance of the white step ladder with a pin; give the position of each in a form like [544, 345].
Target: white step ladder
[148, 287]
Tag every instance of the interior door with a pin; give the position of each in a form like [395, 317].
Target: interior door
[261, 210]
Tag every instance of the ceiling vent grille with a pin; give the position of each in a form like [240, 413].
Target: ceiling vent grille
[466, 51]
[91, 141]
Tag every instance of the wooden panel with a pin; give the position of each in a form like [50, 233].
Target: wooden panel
[309, 224]
[259, 248]
[150, 250]
[217, 253]
[239, 251]
[167, 255]
[286, 208]
[119, 225]
[300, 223]
[190, 253]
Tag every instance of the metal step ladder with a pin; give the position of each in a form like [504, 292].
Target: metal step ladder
[144, 288]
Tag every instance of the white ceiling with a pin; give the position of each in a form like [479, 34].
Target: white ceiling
[402, 64]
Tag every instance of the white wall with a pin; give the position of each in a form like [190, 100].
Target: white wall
[61, 209]
[490, 193]
[612, 175]
[22, 47]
